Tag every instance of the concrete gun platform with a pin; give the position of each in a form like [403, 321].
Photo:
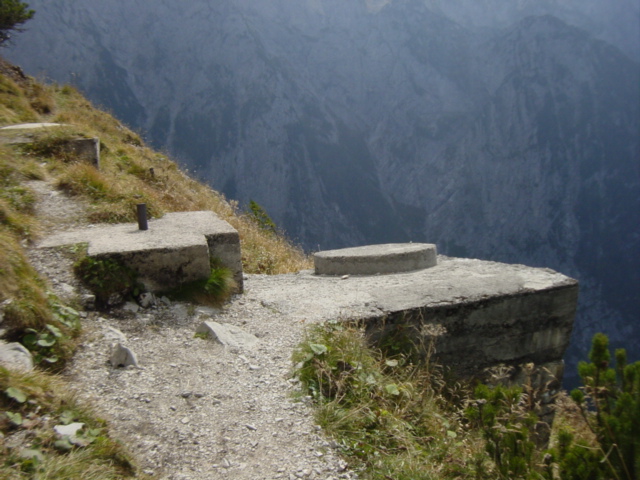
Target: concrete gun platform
[476, 314]
[176, 249]
[374, 259]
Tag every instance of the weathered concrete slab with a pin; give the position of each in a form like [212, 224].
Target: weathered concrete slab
[475, 313]
[79, 148]
[176, 248]
[375, 259]
[33, 126]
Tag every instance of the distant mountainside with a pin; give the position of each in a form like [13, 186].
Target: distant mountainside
[499, 130]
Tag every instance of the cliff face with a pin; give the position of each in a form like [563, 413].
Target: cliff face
[495, 130]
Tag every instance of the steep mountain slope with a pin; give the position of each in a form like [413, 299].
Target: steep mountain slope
[511, 136]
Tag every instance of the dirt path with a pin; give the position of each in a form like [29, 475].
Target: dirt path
[193, 409]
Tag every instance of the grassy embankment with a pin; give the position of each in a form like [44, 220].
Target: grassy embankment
[393, 419]
[130, 173]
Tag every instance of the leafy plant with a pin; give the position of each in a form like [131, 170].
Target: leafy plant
[110, 280]
[33, 404]
[52, 345]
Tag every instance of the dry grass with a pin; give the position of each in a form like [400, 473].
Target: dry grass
[131, 173]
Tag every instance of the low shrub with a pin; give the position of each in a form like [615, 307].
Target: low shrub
[214, 290]
[386, 414]
[609, 402]
[109, 280]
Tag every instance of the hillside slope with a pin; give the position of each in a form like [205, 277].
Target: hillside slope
[508, 135]
[45, 188]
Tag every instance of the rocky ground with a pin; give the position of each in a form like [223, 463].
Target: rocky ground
[193, 409]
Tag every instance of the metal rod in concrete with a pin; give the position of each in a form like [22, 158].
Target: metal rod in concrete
[142, 216]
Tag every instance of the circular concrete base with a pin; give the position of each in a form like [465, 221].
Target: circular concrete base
[373, 259]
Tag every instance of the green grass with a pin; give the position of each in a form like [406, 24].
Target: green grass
[389, 417]
[393, 419]
[212, 291]
[32, 404]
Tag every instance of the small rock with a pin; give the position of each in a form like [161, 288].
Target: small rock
[228, 335]
[122, 356]
[207, 311]
[113, 335]
[3, 306]
[15, 356]
[67, 289]
[88, 301]
[131, 307]
[68, 430]
[251, 427]
[147, 300]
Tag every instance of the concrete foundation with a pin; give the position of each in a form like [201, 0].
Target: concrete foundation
[176, 249]
[79, 149]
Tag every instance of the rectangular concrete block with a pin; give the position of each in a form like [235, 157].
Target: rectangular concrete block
[175, 249]
[222, 239]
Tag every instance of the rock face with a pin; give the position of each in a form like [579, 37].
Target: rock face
[496, 129]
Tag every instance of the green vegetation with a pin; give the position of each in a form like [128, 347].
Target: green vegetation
[262, 219]
[609, 402]
[389, 417]
[213, 291]
[13, 13]
[395, 419]
[507, 425]
[107, 278]
[32, 405]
